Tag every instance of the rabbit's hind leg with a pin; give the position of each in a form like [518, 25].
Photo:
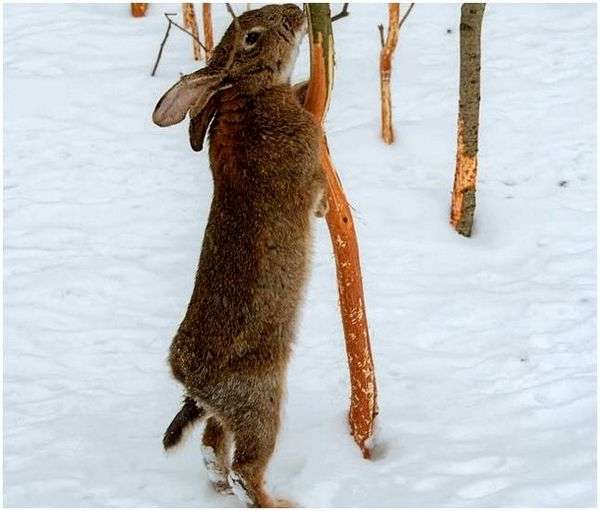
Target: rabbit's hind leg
[215, 451]
[254, 439]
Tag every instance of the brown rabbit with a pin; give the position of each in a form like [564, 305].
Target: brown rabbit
[233, 346]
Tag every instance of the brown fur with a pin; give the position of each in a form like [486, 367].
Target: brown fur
[232, 348]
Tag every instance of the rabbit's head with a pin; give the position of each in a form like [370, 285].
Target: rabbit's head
[256, 52]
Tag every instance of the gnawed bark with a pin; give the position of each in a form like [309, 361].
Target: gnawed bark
[189, 22]
[465, 175]
[385, 72]
[207, 27]
[363, 403]
[388, 47]
[138, 10]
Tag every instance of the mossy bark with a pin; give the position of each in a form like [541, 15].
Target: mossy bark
[363, 402]
[465, 176]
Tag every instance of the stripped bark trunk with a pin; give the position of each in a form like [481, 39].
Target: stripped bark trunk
[465, 175]
[189, 22]
[138, 10]
[385, 72]
[207, 27]
[363, 403]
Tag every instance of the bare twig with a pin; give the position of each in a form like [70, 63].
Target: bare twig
[233, 15]
[380, 26]
[184, 30]
[342, 14]
[405, 15]
[162, 45]
[230, 10]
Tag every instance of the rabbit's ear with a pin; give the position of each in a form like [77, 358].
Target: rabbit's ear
[199, 123]
[193, 90]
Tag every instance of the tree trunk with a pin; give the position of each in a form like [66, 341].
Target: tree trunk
[208, 29]
[465, 176]
[138, 10]
[363, 403]
[385, 72]
[189, 22]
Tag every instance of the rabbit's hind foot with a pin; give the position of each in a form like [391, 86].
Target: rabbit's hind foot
[215, 452]
[217, 473]
[254, 497]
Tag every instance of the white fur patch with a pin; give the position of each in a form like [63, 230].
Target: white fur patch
[238, 485]
[286, 72]
[216, 474]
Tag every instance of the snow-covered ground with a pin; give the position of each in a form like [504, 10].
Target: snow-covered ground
[484, 347]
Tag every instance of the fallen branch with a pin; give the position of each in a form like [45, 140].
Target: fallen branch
[363, 401]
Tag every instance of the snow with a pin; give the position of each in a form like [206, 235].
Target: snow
[484, 347]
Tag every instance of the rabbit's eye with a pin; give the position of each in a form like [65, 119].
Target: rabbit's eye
[251, 38]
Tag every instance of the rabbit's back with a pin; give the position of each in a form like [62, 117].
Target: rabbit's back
[264, 155]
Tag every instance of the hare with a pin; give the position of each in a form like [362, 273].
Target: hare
[231, 350]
